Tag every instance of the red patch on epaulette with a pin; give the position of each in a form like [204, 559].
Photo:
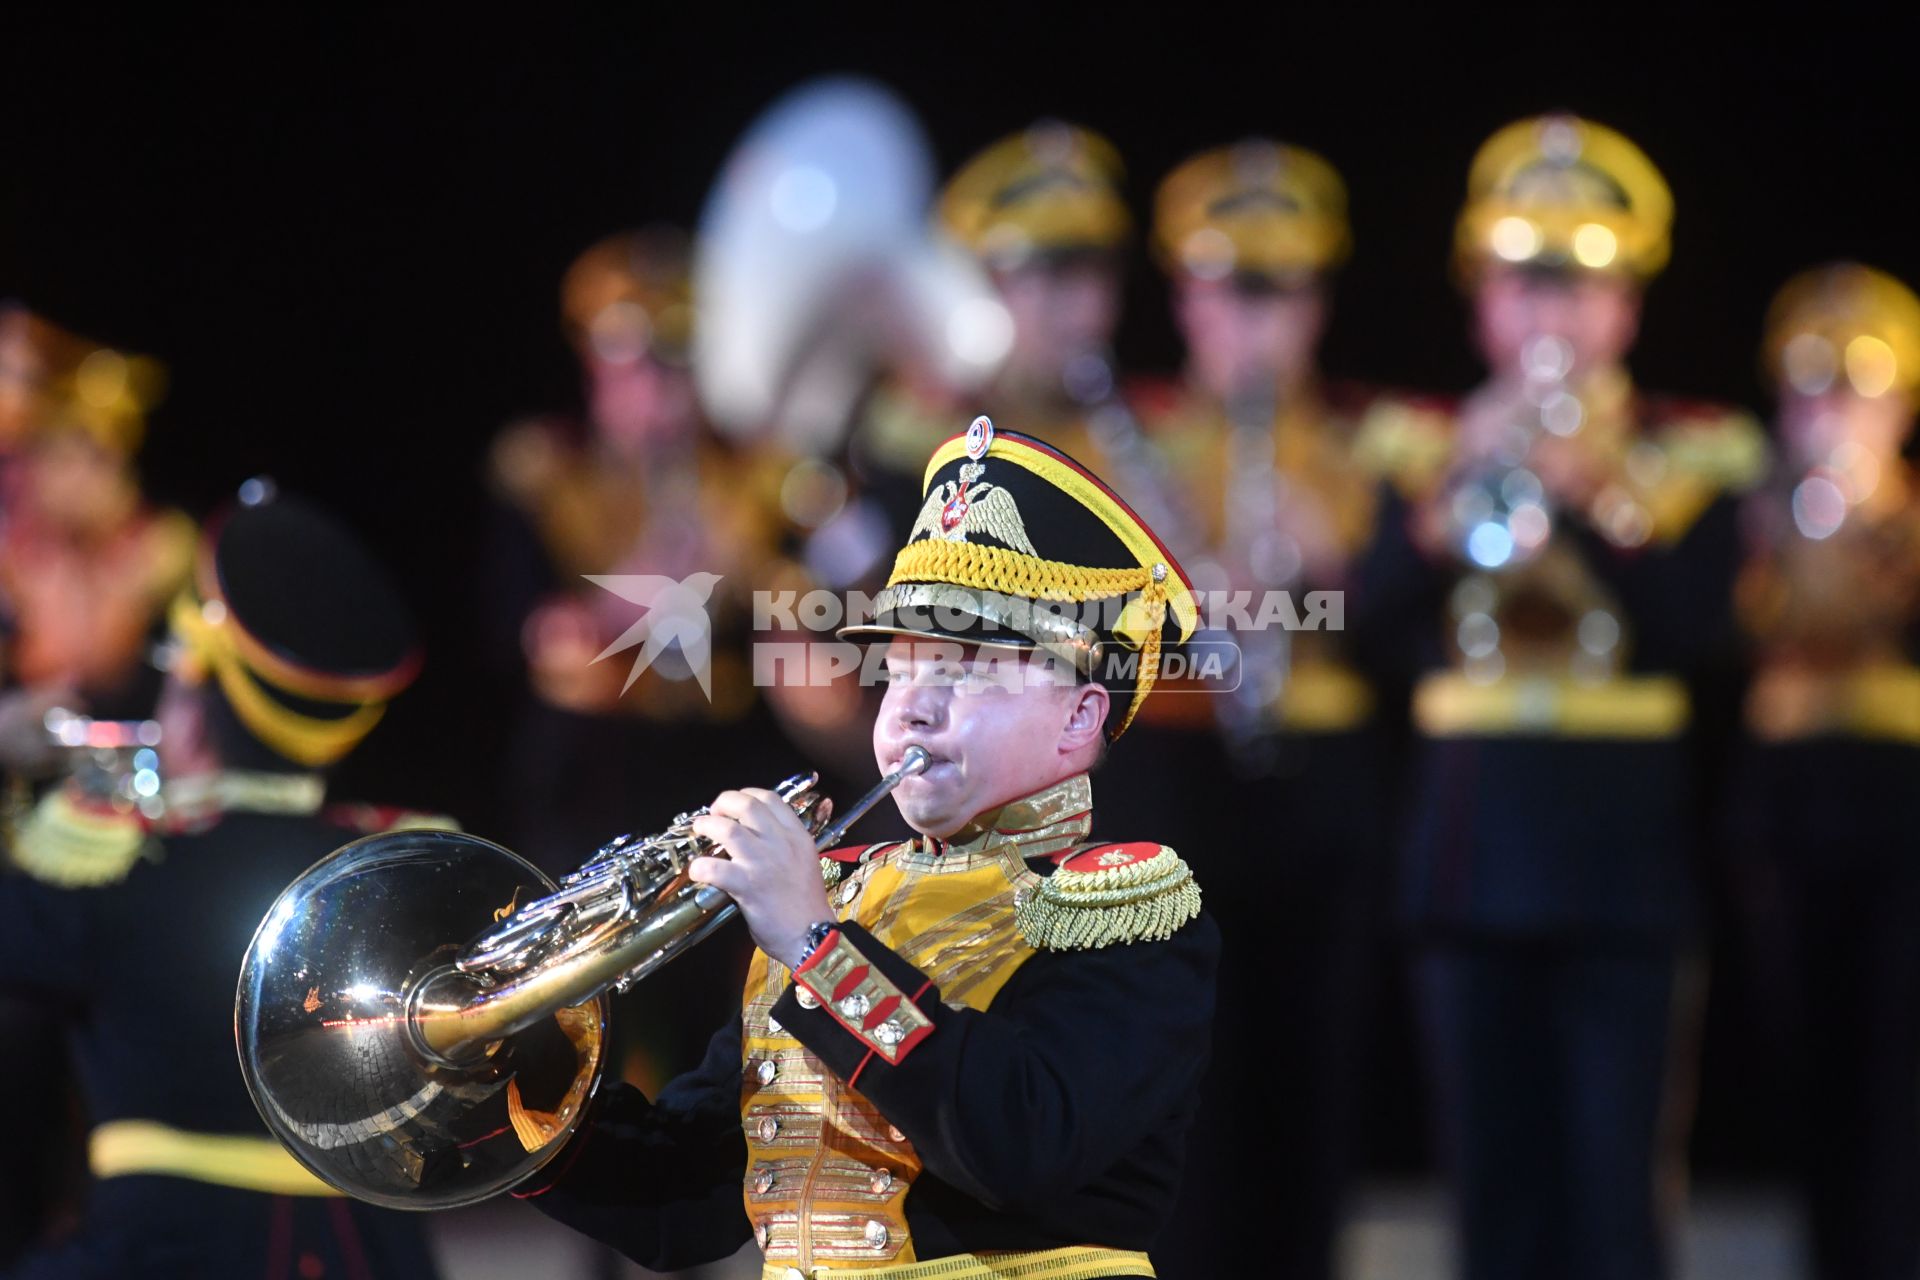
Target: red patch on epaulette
[1105, 857]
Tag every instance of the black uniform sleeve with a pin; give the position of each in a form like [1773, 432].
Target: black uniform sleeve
[1399, 596]
[46, 938]
[1081, 1057]
[660, 1181]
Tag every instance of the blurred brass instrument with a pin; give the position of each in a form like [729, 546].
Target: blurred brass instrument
[108, 763]
[421, 1016]
[1251, 534]
[1499, 511]
[818, 267]
[1137, 467]
[114, 762]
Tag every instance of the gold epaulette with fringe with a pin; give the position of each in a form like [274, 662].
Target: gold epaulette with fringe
[1727, 449]
[1109, 894]
[73, 845]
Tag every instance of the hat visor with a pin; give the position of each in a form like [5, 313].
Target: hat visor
[939, 611]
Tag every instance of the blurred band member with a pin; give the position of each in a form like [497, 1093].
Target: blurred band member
[1559, 553]
[87, 567]
[287, 647]
[1823, 802]
[1250, 236]
[619, 582]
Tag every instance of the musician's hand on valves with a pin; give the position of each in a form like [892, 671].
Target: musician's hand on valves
[772, 871]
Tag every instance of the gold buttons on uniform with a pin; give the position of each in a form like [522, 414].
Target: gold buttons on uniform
[767, 1129]
[768, 1070]
[893, 1131]
[849, 891]
[763, 1179]
[889, 1033]
[854, 1006]
[806, 998]
[880, 1182]
[876, 1233]
[773, 1026]
[760, 1233]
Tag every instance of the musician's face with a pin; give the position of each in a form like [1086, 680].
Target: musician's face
[640, 405]
[1249, 337]
[1834, 426]
[1596, 312]
[1060, 309]
[999, 723]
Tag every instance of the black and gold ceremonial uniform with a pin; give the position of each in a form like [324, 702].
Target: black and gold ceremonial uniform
[989, 1067]
[1822, 805]
[1554, 638]
[129, 929]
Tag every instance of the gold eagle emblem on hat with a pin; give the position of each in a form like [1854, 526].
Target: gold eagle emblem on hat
[958, 508]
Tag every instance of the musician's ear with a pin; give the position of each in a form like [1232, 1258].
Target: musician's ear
[1086, 726]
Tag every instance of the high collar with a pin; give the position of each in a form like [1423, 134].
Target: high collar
[1047, 822]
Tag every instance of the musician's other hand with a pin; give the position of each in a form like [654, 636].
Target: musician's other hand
[772, 871]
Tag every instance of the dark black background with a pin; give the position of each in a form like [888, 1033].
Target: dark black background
[344, 235]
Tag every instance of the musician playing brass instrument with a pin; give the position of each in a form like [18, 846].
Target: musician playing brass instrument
[286, 650]
[1559, 554]
[1262, 447]
[977, 1052]
[1821, 813]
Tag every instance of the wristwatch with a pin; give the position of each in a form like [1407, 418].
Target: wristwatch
[816, 934]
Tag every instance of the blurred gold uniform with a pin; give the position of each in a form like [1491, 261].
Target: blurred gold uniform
[1823, 806]
[1261, 450]
[643, 489]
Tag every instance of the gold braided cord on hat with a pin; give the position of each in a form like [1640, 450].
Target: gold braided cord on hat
[1013, 573]
[212, 643]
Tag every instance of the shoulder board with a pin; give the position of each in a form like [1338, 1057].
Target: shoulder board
[1725, 448]
[1405, 439]
[1106, 894]
[75, 845]
[372, 819]
[836, 862]
[857, 852]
